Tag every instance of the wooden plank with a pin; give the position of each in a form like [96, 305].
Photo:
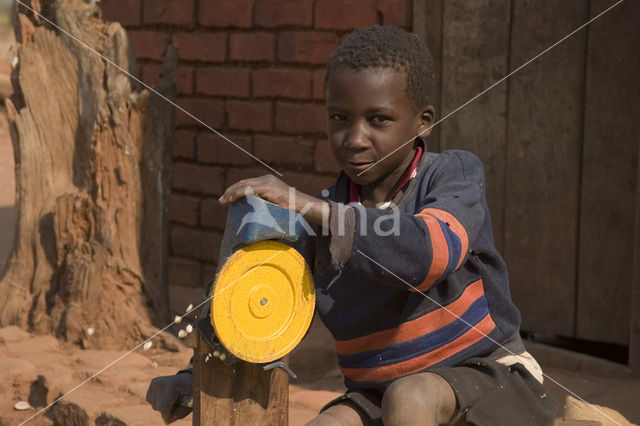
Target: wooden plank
[634, 327]
[241, 394]
[427, 24]
[543, 162]
[610, 162]
[475, 54]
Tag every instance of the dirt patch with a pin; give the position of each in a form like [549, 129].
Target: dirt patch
[38, 369]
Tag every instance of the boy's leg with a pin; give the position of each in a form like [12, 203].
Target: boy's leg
[419, 399]
[343, 414]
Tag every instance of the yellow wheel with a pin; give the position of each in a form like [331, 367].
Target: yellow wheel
[262, 301]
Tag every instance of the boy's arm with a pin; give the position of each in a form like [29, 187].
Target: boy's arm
[420, 249]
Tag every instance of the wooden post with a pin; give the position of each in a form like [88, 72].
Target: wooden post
[634, 326]
[240, 394]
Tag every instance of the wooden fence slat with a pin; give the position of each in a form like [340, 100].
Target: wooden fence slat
[475, 54]
[543, 160]
[610, 161]
[427, 24]
[634, 327]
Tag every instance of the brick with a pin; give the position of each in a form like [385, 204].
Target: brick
[197, 178]
[173, 12]
[325, 162]
[284, 151]
[237, 174]
[213, 214]
[249, 115]
[226, 13]
[184, 144]
[151, 76]
[209, 111]
[184, 209]
[213, 149]
[223, 81]
[306, 47]
[252, 47]
[148, 44]
[395, 12]
[344, 14]
[205, 47]
[300, 118]
[318, 83]
[195, 243]
[185, 80]
[184, 273]
[281, 82]
[308, 183]
[180, 297]
[277, 13]
[127, 12]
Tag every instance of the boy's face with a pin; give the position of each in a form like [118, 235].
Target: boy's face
[369, 116]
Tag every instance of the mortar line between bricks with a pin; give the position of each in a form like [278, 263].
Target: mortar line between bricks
[151, 89]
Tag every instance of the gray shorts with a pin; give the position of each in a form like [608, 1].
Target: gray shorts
[488, 393]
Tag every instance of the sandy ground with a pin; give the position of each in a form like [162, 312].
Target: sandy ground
[37, 369]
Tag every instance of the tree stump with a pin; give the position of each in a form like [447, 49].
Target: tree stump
[93, 165]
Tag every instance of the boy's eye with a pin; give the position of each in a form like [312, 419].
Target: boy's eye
[337, 117]
[379, 119]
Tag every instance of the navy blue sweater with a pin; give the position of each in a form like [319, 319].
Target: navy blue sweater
[390, 290]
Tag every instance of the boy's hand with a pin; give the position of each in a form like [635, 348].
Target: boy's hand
[272, 189]
[164, 392]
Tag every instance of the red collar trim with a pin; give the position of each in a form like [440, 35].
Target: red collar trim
[354, 188]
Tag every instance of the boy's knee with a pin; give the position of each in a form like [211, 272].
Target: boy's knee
[423, 398]
[338, 415]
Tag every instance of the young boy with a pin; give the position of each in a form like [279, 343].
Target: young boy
[418, 303]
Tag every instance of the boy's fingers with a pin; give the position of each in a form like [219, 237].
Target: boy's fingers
[231, 195]
[235, 191]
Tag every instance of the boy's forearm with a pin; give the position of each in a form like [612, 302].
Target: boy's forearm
[312, 209]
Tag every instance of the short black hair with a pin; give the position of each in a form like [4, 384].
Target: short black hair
[388, 47]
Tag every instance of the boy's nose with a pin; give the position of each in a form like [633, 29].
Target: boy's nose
[356, 138]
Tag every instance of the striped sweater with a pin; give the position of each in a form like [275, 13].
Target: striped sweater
[424, 296]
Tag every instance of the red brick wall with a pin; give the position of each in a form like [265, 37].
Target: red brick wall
[253, 70]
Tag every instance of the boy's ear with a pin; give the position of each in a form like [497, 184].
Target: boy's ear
[427, 117]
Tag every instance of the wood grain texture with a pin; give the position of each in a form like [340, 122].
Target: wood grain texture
[86, 140]
[475, 55]
[238, 395]
[427, 24]
[634, 325]
[610, 161]
[543, 162]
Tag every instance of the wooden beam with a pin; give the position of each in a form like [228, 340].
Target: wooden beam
[634, 326]
[545, 110]
[240, 394]
[609, 163]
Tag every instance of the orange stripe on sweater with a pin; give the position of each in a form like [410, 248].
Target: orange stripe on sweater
[440, 250]
[415, 328]
[455, 226]
[392, 371]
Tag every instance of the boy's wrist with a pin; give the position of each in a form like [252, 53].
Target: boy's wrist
[312, 209]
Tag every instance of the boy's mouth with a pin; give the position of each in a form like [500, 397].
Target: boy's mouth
[358, 165]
